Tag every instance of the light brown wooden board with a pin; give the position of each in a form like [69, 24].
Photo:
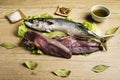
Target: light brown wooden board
[11, 67]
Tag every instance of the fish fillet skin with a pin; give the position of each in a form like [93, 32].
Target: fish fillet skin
[78, 46]
[48, 46]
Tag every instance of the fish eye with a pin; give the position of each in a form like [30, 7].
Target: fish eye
[49, 23]
[35, 21]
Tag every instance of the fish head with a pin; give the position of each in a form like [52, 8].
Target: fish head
[38, 24]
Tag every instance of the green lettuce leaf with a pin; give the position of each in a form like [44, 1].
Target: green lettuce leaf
[92, 27]
[69, 19]
[34, 50]
[86, 54]
[39, 52]
[45, 15]
[21, 30]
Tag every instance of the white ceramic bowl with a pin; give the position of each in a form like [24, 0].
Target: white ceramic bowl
[99, 18]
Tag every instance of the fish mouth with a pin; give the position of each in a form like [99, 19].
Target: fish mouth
[28, 23]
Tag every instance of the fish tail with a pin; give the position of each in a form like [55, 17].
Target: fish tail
[104, 41]
[90, 33]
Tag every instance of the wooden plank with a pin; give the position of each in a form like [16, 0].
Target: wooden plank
[11, 61]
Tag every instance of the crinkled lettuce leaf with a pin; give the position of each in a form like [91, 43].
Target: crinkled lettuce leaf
[92, 27]
[34, 50]
[45, 15]
[69, 19]
[21, 30]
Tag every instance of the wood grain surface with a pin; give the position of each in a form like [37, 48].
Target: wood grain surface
[11, 60]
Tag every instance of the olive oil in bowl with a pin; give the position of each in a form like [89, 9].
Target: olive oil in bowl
[100, 12]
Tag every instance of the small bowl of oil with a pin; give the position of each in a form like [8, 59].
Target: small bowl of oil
[99, 13]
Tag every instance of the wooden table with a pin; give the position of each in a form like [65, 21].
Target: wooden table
[11, 60]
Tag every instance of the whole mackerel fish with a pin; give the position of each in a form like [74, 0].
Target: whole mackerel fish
[69, 27]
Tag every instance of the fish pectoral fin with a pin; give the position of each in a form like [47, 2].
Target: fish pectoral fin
[104, 44]
[83, 37]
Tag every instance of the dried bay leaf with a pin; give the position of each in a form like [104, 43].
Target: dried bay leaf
[99, 68]
[111, 30]
[8, 45]
[30, 64]
[62, 72]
